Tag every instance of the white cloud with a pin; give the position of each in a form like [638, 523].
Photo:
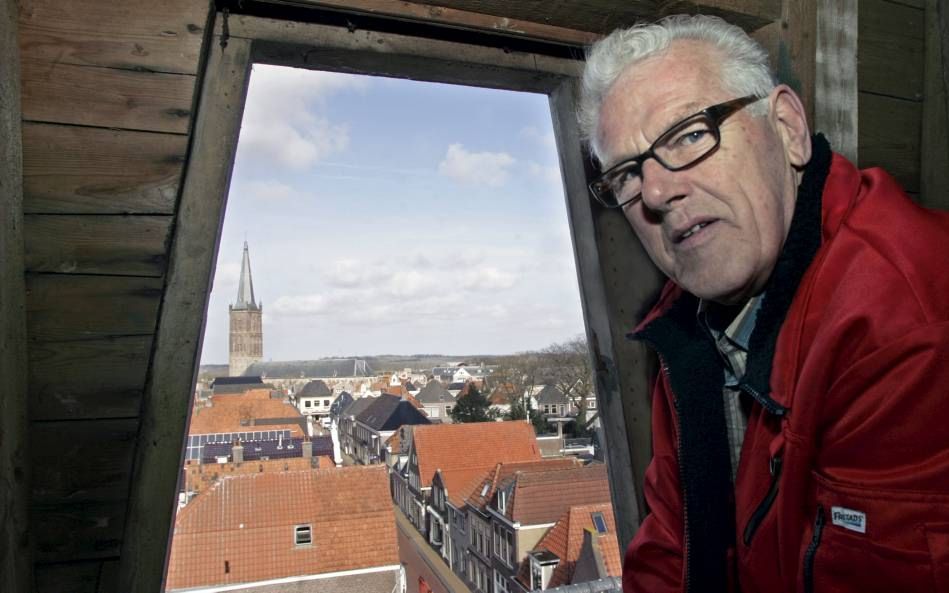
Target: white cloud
[227, 274]
[545, 139]
[476, 168]
[307, 304]
[548, 174]
[348, 273]
[271, 190]
[488, 278]
[281, 123]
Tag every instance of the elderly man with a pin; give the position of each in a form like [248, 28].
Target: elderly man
[799, 422]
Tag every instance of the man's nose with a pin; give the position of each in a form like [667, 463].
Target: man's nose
[661, 187]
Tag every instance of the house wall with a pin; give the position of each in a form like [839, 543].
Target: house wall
[528, 537]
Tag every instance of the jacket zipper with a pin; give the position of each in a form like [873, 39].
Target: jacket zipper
[774, 466]
[812, 551]
[685, 503]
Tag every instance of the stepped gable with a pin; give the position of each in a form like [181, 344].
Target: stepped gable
[478, 445]
[241, 529]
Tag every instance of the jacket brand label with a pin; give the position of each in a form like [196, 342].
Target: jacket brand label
[849, 519]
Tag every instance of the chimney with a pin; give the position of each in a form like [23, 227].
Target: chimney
[237, 451]
[307, 449]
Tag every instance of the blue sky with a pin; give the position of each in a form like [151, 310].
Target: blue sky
[393, 217]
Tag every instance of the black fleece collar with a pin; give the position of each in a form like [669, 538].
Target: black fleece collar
[695, 376]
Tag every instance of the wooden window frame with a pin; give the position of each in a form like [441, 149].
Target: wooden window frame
[617, 281]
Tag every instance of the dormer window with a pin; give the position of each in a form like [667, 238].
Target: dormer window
[303, 535]
[502, 501]
[599, 522]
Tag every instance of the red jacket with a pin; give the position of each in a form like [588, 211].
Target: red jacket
[843, 485]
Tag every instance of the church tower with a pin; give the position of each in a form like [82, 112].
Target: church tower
[246, 330]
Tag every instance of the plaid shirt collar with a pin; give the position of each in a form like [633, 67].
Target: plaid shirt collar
[732, 343]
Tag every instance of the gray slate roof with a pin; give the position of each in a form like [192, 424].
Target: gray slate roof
[551, 395]
[389, 412]
[358, 406]
[294, 369]
[316, 388]
[434, 393]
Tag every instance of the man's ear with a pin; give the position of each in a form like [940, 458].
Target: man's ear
[790, 119]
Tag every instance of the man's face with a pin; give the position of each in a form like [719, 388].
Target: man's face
[742, 195]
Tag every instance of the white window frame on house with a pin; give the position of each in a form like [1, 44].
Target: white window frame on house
[303, 535]
[500, 582]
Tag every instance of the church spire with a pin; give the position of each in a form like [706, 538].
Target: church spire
[245, 290]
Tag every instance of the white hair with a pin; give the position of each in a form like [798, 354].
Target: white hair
[745, 68]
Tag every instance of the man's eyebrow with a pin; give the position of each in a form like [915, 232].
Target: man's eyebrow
[690, 108]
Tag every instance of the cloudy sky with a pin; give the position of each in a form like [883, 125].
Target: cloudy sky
[395, 217]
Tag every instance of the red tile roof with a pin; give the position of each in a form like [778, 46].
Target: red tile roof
[199, 476]
[501, 472]
[242, 529]
[565, 540]
[481, 445]
[542, 497]
[228, 411]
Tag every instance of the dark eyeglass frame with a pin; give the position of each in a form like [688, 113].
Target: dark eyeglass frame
[715, 114]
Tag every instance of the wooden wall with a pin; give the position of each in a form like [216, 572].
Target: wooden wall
[891, 48]
[106, 109]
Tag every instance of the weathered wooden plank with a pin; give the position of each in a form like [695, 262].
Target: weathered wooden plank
[890, 137]
[934, 184]
[603, 16]
[74, 577]
[159, 452]
[93, 244]
[15, 544]
[797, 50]
[617, 285]
[106, 97]
[69, 169]
[835, 87]
[88, 379]
[465, 19]
[73, 307]
[134, 34]
[77, 531]
[82, 461]
[891, 49]
[335, 48]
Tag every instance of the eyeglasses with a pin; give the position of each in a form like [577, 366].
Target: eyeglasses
[685, 144]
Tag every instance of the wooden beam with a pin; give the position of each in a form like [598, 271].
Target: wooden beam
[107, 244]
[159, 451]
[335, 48]
[891, 49]
[75, 577]
[934, 182]
[796, 48]
[835, 85]
[78, 170]
[890, 135]
[617, 285]
[463, 19]
[68, 307]
[106, 97]
[87, 379]
[15, 545]
[132, 34]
